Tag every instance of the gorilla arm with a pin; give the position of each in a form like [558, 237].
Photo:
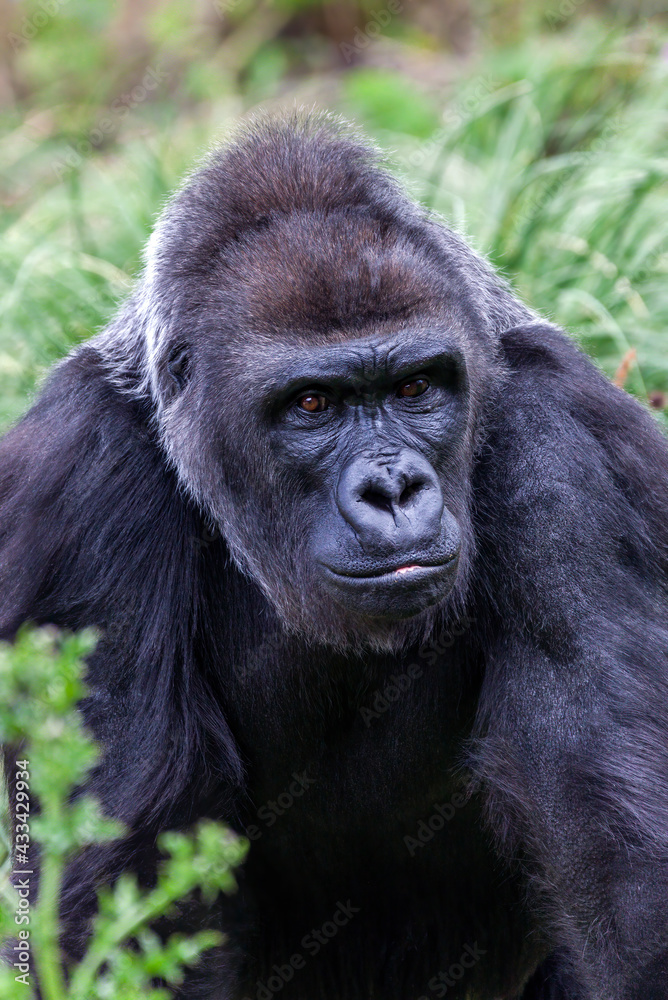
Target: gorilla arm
[572, 501]
[95, 533]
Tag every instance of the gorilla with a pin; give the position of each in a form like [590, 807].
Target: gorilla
[378, 561]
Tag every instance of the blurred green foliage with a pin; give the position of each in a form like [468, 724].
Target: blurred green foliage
[40, 685]
[544, 142]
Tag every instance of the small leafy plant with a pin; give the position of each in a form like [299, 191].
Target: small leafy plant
[40, 686]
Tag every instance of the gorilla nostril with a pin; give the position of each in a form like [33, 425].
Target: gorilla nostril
[376, 499]
[409, 491]
[391, 503]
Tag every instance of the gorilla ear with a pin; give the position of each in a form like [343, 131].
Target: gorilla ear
[178, 366]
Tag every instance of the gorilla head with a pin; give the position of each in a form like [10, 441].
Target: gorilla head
[293, 306]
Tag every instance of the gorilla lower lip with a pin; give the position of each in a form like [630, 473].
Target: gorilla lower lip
[390, 574]
[396, 592]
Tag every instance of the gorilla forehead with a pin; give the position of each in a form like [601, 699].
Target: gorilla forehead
[313, 231]
[310, 279]
[296, 231]
[327, 277]
[267, 172]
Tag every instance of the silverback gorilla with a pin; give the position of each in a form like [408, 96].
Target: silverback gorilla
[378, 560]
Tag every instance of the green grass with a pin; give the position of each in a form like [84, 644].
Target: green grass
[549, 156]
[67, 260]
[554, 162]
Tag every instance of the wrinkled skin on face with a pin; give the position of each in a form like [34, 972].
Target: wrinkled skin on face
[365, 427]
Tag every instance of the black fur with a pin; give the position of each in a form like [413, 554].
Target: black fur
[138, 495]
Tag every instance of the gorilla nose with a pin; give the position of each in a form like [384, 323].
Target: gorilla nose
[391, 501]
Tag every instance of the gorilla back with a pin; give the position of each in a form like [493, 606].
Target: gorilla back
[378, 559]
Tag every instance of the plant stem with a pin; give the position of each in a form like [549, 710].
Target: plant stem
[47, 924]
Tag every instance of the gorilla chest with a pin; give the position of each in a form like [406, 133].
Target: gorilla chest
[364, 778]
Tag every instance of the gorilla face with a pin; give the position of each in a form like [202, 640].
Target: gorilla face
[364, 426]
[329, 443]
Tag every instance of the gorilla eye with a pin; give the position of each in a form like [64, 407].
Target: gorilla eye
[416, 387]
[313, 403]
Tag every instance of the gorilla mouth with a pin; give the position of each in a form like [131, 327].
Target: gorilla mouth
[406, 572]
[393, 592]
